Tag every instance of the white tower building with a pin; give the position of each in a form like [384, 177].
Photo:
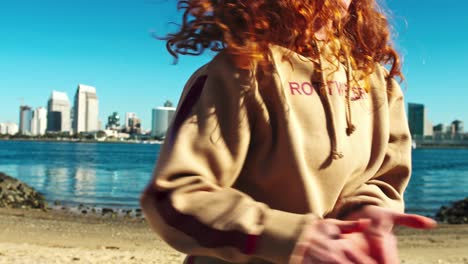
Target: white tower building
[8, 128]
[86, 110]
[39, 121]
[161, 119]
[58, 112]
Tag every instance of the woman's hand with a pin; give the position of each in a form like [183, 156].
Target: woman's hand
[325, 241]
[378, 239]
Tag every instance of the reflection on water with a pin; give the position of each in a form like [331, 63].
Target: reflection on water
[84, 182]
[106, 175]
[56, 179]
[113, 175]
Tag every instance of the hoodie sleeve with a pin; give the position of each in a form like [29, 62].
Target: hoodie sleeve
[190, 201]
[387, 185]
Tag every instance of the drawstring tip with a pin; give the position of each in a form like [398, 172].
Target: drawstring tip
[350, 129]
[337, 155]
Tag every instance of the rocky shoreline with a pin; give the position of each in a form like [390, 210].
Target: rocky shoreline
[18, 195]
[456, 213]
[97, 211]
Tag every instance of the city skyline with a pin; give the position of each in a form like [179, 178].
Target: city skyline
[60, 114]
[55, 45]
[60, 117]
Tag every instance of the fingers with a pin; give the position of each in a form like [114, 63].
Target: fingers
[339, 251]
[298, 255]
[347, 227]
[358, 240]
[414, 221]
[325, 241]
[323, 255]
[358, 256]
[386, 218]
[382, 246]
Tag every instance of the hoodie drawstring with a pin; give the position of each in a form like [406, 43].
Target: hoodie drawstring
[349, 118]
[335, 153]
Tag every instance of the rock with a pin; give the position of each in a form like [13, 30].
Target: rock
[457, 213]
[107, 211]
[10, 199]
[16, 194]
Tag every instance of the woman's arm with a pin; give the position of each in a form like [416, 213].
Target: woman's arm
[381, 198]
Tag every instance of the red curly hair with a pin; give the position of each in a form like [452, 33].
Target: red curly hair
[246, 28]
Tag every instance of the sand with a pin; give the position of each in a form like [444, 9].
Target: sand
[31, 236]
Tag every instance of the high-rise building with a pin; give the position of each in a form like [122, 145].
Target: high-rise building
[127, 119]
[161, 119]
[8, 128]
[456, 129]
[25, 120]
[134, 125]
[58, 112]
[428, 128]
[419, 124]
[85, 118]
[439, 131]
[39, 121]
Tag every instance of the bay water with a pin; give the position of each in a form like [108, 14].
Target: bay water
[114, 174]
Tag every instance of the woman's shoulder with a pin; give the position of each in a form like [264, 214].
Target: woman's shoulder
[220, 77]
[382, 82]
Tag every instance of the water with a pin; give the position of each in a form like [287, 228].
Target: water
[96, 174]
[440, 176]
[113, 175]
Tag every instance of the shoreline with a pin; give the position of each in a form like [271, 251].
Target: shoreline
[95, 211]
[461, 145]
[442, 146]
[86, 141]
[35, 236]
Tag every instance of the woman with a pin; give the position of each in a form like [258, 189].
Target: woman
[292, 144]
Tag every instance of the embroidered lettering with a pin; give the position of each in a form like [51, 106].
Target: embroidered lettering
[294, 86]
[330, 89]
[341, 88]
[305, 90]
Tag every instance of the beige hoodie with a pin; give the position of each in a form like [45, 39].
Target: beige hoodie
[250, 158]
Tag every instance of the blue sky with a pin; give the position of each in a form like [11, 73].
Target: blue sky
[56, 44]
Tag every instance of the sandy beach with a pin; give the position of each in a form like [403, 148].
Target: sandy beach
[33, 236]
